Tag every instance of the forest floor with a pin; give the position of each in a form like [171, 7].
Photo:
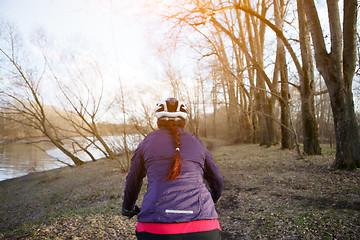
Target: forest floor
[269, 193]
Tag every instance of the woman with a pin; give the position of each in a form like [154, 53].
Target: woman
[177, 204]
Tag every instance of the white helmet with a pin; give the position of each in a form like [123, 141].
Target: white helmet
[171, 109]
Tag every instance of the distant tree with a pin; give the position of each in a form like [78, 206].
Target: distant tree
[203, 102]
[122, 103]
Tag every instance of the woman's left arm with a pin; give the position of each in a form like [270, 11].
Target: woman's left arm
[213, 177]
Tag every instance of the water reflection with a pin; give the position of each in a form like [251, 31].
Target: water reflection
[19, 159]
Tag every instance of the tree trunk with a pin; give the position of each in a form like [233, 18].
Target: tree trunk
[287, 141]
[253, 115]
[58, 144]
[344, 158]
[214, 102]
[337, 70]
[256, 42]
[204, 106]
[249, 112]
[310, 128]
[349, 65]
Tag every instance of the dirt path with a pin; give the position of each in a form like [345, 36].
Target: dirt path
[268, 194]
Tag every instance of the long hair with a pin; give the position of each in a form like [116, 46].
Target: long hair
[172, 126]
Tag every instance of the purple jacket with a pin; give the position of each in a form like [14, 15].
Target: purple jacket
[183, 200]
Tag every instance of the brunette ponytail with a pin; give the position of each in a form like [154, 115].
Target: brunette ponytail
[175, 167]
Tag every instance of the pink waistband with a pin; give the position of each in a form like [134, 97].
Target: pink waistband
[178, 228]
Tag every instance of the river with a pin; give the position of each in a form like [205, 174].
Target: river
[19, 159]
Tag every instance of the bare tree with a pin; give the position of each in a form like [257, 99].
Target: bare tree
[87, 106]
[143, 121]
[307, 87]
[286, 139]
[123, 104]
[25, 100]
[338, 69]
[83, 105]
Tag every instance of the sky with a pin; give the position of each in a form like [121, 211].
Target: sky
[120, 34]
[113, 31]
[111, 24]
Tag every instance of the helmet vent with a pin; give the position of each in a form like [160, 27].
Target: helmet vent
[160, 108]
[172, 105]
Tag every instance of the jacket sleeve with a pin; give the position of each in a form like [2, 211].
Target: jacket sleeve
[134, 180]
[212, 176]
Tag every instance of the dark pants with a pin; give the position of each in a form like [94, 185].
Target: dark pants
[208, 235]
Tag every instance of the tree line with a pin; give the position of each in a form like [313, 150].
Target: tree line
[234, 49]
[14, 128]
[255, 79]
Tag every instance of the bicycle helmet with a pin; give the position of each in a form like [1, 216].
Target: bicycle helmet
[171, 109]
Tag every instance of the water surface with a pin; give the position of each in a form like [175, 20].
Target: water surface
[19, 159]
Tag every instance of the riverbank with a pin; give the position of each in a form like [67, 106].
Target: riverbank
[268, 193]
[18, 158]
